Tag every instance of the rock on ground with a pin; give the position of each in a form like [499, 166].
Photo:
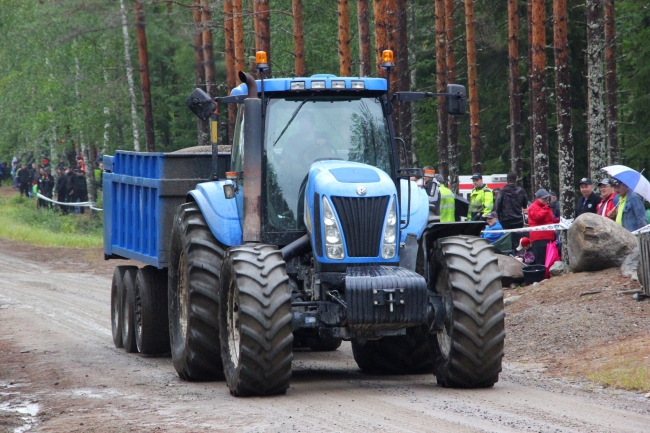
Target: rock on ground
[631, 264]
[597, 243]
[511, 270]
[559, 268]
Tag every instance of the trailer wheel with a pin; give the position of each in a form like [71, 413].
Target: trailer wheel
[151, 324]
[412, 353]
[117, 287]
[128, 306]
[256, 321]
[195, 258]
[470, 348]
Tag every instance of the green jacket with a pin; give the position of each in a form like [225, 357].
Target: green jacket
[447, 205]
[481, 201]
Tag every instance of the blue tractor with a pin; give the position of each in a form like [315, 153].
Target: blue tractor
[307, 234]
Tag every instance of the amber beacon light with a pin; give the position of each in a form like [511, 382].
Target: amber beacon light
[261, 62]
[387, 59]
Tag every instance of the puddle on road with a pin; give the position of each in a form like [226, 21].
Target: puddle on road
[14, 402]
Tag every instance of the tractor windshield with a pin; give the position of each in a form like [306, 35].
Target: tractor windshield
[301, 131]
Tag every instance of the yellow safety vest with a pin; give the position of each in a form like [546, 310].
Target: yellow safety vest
[481, 201]
[447, 205]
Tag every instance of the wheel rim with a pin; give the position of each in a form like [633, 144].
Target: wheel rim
[182, 295]
[233, 324]
[116, 314]
[125, 311]
[444, 336]
[138, 314]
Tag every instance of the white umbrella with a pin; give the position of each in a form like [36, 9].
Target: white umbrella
[632, 178]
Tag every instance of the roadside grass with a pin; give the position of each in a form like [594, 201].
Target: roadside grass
[21, 221]
[625, 365]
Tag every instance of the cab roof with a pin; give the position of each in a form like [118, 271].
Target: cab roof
[284, 84]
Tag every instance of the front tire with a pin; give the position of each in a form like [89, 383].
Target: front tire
[470, 347]
[256, 321]
[193, 299]
[151, 323]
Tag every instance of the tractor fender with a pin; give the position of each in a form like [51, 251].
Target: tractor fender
[220, 213]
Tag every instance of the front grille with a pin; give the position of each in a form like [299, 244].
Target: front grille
[362, 220]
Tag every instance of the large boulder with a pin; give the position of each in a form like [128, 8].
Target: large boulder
[596, 243]
[511, 270]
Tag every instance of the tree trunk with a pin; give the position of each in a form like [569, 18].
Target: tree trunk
[454, 169]
[231, 77]
[563, 98]
[402, 60]
[595, 110]
[386, 36]
[129, 78]
[611, 114]
[144, 76]
[529, 11]
[107, 125]
[208, 57]
[441, 85]
[516, 161]
[263, 31]
[413, 112]
[298, 39]
[345, 63]
[238, 34]
[472, 83]
[540, 143]
[364, 38]
[203, 128]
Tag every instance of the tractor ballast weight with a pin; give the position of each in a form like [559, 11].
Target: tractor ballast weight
[315, 235]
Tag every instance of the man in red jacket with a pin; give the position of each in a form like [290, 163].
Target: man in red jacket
[539, 214]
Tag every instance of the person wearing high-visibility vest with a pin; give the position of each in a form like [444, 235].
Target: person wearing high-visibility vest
[481, 200]
[447, 202]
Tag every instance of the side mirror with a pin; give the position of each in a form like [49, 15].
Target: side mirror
[456, 99]
[201, 104]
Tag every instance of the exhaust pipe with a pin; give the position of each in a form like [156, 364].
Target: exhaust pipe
[250, 83]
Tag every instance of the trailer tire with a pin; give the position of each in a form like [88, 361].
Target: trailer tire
[128, 307]
[195, 258]
[469, 351]
[151, 323]
[412, 353]
[117, 287]
[256, 321]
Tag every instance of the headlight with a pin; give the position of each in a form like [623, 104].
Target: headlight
[389, 241]
[333, 238]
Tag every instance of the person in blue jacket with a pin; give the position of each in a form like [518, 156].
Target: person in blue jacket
[493, 224]
[630, 212]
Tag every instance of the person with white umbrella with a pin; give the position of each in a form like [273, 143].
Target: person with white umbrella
[630, 212]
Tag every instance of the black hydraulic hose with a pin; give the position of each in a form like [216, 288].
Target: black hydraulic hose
[300, 246]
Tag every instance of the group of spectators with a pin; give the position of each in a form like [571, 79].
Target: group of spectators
[69, 186]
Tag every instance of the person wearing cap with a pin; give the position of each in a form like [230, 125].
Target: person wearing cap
[481, 200]
[630, 212]
[524, 252]
[492, 224]
[432, 188]
[609, 201]
[540, 214]
[554, 204]
[447, 201]
[589, 200]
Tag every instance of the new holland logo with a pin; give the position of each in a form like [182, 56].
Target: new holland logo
[361, 190]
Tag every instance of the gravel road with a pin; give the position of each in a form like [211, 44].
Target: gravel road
[60, 372]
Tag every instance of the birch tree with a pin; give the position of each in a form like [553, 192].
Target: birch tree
[540, 136]
[516, 160]
[595, 111]
[563, 98]
[129, 77]
[472, 83]
[611, 109]
[441, 84]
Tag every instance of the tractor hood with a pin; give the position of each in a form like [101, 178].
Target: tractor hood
[346, 207]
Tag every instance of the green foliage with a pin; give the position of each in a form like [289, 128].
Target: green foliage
[21, 221]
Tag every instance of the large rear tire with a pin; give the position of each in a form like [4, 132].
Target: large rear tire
[193, 298]
[256, 321]
[128, 307]
[117, 287]
[470, 348]
[412, 353]
[151, 323]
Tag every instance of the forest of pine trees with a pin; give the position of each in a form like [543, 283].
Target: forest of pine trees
[556, 88]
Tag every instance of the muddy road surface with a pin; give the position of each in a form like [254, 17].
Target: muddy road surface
[60, 372]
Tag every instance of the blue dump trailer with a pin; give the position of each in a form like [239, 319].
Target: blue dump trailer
[308, 233]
